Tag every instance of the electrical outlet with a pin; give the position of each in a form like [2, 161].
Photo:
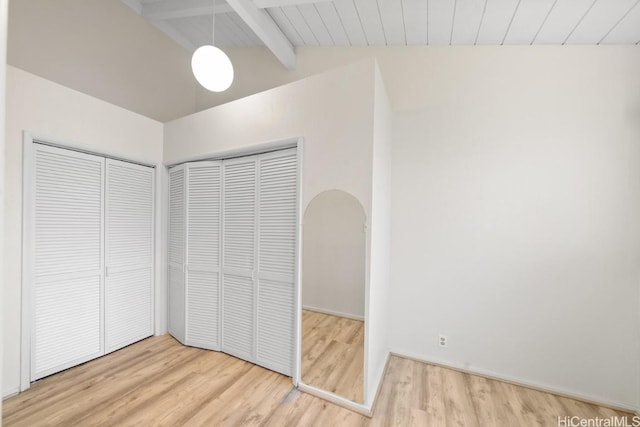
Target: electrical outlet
[442, 341]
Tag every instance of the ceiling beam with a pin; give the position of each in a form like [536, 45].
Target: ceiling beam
[267, 30]
[263, 4]
[171, 9]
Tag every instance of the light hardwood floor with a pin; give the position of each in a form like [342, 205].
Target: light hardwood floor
[160, 382]
[333, 354]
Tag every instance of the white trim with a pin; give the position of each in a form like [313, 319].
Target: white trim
[14, 391]
[517, 381]
[333, 313]
[247, 150]
[337, 400]
[160, 242]
[367, 310]
[297, 329]
[267, 31]
[86, 149]
[374, 399]
[28, 170]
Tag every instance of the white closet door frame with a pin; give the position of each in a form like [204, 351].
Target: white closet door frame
[29, 140]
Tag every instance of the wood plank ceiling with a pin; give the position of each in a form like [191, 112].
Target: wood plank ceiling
[393, 22]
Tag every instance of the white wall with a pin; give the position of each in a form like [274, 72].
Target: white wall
[515, 199]
[331, 111]
[515, 206]
[3, 76]
[104, 49]
[380, 286]
[334, 254]
[334, 113]
[48, 109]
[516, 217]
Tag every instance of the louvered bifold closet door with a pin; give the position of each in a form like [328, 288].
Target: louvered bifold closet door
[128, 291]
[277, 218]
[67, 280]
[175, 261]
[238, 256]
[204, 214]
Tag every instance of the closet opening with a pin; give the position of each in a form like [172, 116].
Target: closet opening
[88, 256]
[233, 253]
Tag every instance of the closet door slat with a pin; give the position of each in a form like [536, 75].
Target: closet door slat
[67, 280]
[204, 220]
[277, 225]
[129, 253]
[238, 247]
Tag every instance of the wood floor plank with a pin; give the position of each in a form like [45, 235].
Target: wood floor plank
[44, 393]
[160, 382]
[433, 403]
[333, 354]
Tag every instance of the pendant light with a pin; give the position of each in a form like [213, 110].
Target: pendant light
[211, 67]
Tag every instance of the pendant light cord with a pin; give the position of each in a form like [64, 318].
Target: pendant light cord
[213, 24]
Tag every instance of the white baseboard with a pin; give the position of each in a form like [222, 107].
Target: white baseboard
[363, 409]
[336, 399]
[619, 406]
[333, 313]
[374, 401]
[10, 393]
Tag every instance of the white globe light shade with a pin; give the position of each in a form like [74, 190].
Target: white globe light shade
[212, 68]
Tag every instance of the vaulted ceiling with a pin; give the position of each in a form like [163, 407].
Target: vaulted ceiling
[392, 22]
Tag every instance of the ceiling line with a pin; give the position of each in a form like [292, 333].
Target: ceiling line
[544, 21]
[453, 21]
[355, 6]
[308, 26]
[325, 24]
[342, 23]
[267, 30]
[619, 21]
[404, 24]
[579, 22]
[484, 9]
[384, 33]
[427, 22]
[506, 33]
